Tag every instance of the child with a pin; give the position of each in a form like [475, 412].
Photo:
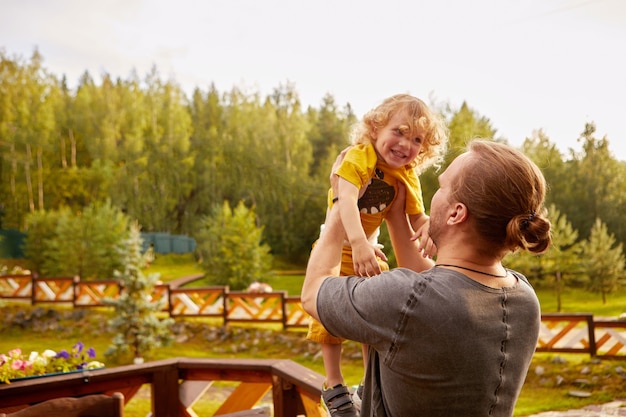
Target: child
[393, 144]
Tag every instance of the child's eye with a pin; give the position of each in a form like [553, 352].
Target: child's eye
[398, 131]
[417, 140]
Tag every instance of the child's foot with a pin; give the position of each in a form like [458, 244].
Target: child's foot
[338, 402]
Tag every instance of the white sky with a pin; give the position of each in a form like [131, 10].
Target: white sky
[524, 64]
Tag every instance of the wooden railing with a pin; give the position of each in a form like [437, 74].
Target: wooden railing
[218, 301]
[580, 333]
[176, 384]
[566, 333]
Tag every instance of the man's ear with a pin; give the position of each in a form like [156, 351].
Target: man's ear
[458, 214]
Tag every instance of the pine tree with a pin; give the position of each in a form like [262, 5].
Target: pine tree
[137, 323]
[231, 248]
[604, 260]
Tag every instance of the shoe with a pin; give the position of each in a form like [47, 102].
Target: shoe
[357, 397]
[338, 402]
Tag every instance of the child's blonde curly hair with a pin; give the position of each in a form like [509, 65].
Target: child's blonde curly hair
[419, 115]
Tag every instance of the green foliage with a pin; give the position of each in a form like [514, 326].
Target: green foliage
[41, 226]
[562, 258]
[603, 260]
[230, 247]
[139, 329]
[85, 244]
[594, 184]
[166, 160]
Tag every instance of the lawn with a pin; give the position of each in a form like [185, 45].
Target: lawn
[173, 266]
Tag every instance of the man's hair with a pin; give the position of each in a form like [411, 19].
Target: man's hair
[504, 192]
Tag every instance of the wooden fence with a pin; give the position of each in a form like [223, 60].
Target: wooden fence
[566, 333]
[218, 301]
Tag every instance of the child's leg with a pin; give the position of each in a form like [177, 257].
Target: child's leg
[336, 397]
[331, 354]
[364, 351]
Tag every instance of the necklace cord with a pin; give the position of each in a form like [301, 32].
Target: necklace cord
[475, 270]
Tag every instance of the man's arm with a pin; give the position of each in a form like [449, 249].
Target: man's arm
[325, 261]
[408, 252]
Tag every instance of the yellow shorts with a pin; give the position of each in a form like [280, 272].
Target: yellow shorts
[317, 332]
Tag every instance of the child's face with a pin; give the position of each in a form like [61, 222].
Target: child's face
[396, 144]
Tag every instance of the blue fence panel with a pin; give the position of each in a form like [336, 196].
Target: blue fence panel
[166, 243]
[11, 244]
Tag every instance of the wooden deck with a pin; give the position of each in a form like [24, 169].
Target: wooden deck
[177, 383]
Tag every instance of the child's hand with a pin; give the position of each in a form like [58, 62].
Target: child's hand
[425, 243]
[364, 259]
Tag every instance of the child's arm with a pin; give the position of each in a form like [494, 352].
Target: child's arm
[363, 252]
[420, 223]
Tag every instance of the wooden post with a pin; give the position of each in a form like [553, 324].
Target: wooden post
[165, 400]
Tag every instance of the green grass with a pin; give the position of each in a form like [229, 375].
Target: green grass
[290, 283]
[577, 300]
[173, 266]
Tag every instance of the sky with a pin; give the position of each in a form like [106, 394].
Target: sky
[526, 65]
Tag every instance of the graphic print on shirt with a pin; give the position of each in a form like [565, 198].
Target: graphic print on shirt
[377, 196]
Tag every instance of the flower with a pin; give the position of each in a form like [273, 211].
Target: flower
[14, 364]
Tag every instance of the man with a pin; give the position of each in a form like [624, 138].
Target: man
[457, 339]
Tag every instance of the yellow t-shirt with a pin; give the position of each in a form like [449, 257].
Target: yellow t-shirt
[362, 167]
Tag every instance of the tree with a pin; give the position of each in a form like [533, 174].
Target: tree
[604, 261]
[41, 227]
[595, 187]
[136, 320]
[330, 129]
[548, 158]
[229, 244]
[206, 149]
[83, 244]
[164, 180]
[562, 256]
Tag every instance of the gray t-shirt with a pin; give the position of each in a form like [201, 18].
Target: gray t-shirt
[441, 344]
